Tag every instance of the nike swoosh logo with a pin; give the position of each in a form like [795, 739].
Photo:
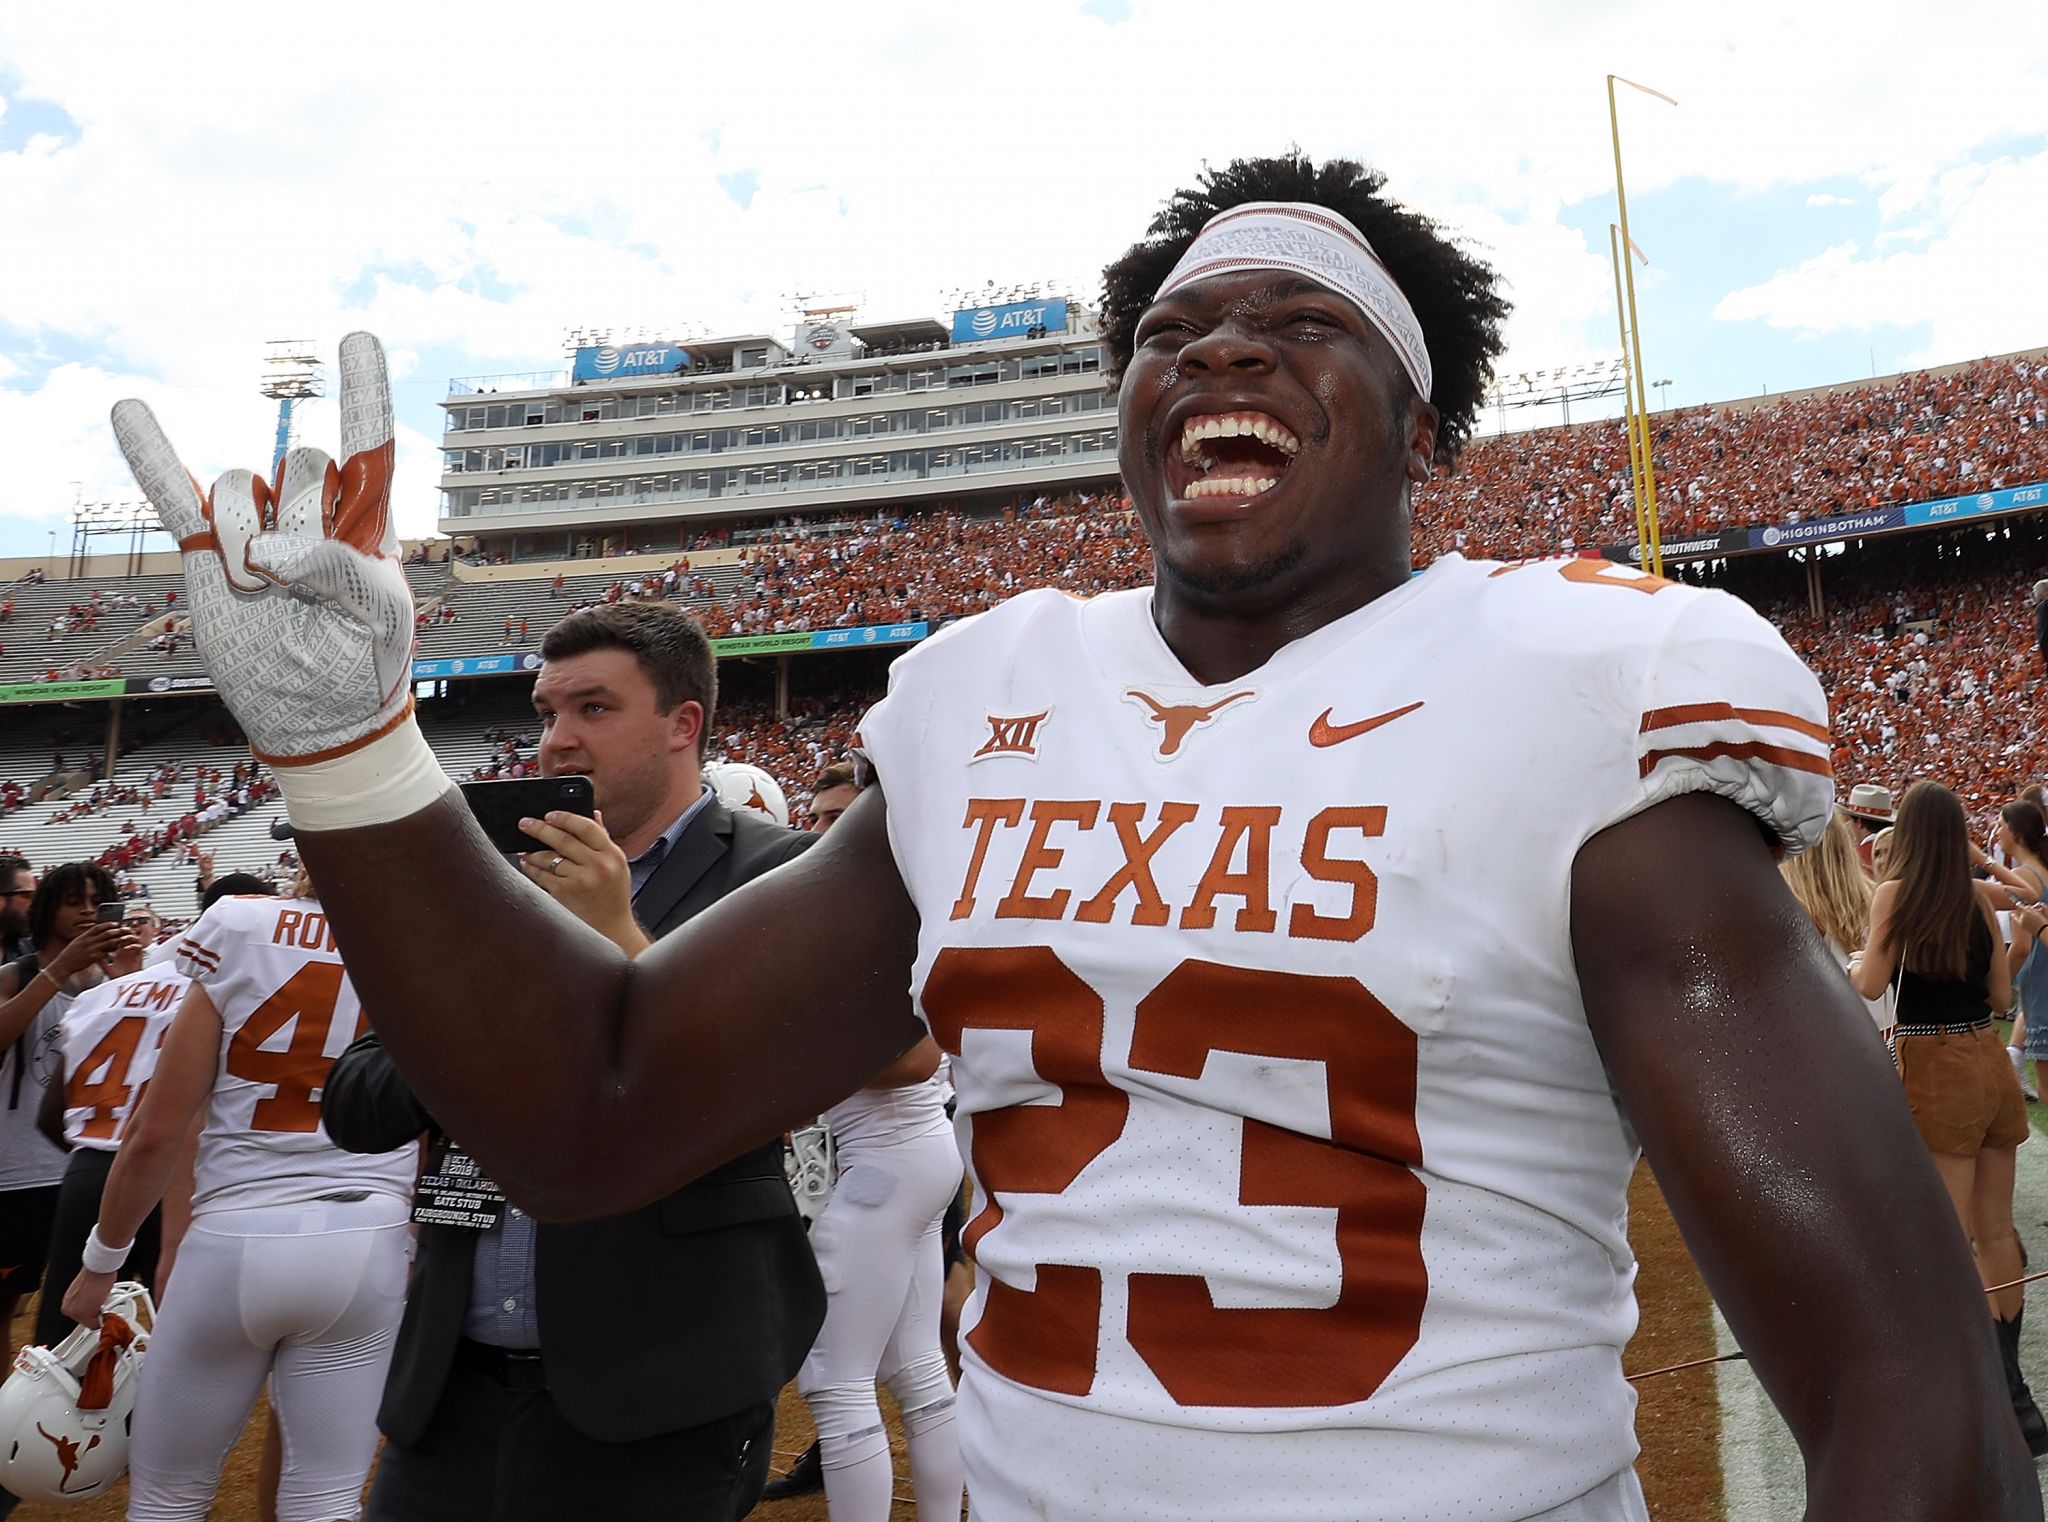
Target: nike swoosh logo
[1323, 732]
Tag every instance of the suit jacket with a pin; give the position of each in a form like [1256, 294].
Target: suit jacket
[683, 1311]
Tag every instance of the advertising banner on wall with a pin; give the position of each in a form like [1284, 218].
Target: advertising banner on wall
[877, 634]
[475, 665]
[2011, 499]
[1012, 319]
[761, 644]
[629, 361]
[1694, 547]
[58, 692]
[1879, 520]
[1778, 536]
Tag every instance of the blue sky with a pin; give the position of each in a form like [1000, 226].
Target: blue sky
[1812, 208]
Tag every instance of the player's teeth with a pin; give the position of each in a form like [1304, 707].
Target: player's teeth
[1240, 486]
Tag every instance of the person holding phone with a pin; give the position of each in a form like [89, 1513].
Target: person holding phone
[75, 949]
[512, 1393]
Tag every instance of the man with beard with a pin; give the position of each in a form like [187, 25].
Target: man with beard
[1300, 930]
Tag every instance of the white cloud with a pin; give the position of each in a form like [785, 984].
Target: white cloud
[242, 167]
[1968, 275]
[1823, 198]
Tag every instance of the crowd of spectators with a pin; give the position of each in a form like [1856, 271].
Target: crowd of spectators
[207, 811]
[795, 749]
[1926, 652]
[510, 758]
[938, 566]
[217, 794]
[1928, 661]
[1910, 439]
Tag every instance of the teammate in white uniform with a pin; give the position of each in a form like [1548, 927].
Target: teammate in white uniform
[878, 1250]
[1306, 936]
[109, 1037]
[293, 1269]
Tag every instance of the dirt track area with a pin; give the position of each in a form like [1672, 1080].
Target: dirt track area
[1678, 1422]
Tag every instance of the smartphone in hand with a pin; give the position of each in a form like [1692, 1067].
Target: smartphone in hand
[499, 806]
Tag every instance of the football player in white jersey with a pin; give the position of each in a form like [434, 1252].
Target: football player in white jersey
[292, 1270]
[109, 1037]
[1302, 934]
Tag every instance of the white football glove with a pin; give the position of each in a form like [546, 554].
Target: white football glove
[299, 606]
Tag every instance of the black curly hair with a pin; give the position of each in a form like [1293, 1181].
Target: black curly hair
[1456, 297]
[65, 885]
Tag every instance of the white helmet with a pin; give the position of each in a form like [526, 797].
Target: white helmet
[64, 1410]
[743, 785]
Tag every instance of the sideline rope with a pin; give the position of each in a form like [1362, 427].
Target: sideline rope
[1701, 1363]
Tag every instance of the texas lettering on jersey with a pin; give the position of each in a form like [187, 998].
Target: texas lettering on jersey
[1023, 847]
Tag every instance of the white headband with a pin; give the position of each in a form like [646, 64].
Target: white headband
[1308, 240]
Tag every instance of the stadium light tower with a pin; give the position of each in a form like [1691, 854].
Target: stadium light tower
[291, 373]
[1654, 559]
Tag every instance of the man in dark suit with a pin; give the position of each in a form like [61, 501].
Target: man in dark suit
[625, 1367]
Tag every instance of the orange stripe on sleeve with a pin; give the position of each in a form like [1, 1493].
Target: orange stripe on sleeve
[1776, 755]
[1705, 713]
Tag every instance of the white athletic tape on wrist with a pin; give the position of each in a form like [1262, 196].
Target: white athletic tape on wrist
[96, 1257]
[1316, 242]
[391, 777]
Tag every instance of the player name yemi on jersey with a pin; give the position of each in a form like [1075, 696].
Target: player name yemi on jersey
[1036, 855]
[156, 996]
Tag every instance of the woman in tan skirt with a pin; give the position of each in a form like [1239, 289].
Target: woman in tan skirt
[1934, 934]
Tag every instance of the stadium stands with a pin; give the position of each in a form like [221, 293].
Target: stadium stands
[1923, 640]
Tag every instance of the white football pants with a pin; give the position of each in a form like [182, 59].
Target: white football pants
[879, 1253]
[306, 1296]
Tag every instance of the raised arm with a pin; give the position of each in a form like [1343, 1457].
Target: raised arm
[1782, 1142]
[587, 1083]
[21, 1000]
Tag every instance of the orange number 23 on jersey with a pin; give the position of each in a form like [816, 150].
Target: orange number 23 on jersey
[1204, 1354]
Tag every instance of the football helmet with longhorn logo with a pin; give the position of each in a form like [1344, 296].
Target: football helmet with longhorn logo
[743, 785]
[64, 1410]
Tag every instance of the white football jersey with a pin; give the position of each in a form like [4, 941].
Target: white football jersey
[1303, 1187]
[111, 1034]
[287, 1010]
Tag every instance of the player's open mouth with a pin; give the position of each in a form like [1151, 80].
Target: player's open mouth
[1231, 454]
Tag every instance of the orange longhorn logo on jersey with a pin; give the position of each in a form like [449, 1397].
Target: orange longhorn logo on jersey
[1011, 737]
[1177, 721]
